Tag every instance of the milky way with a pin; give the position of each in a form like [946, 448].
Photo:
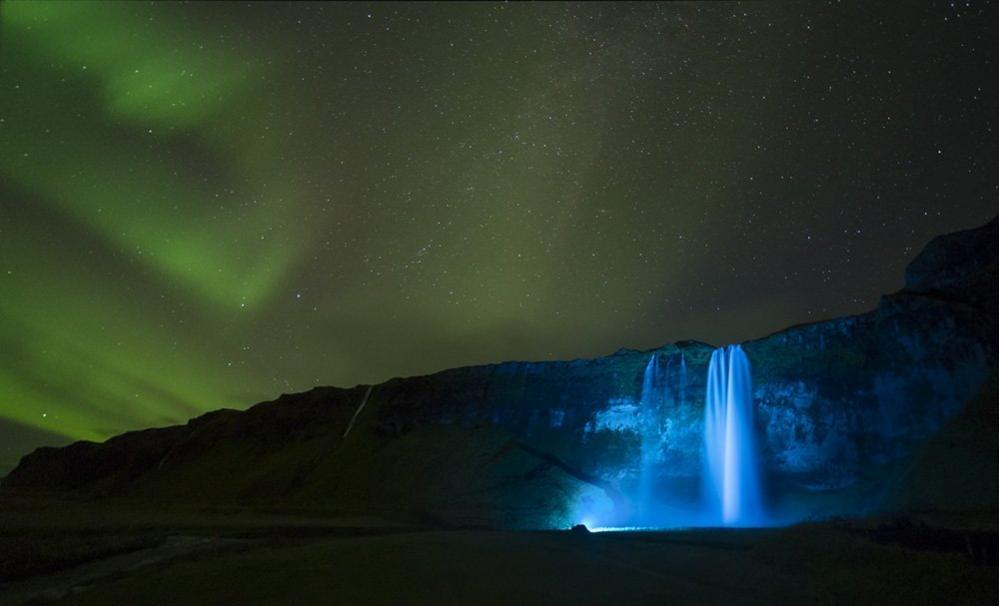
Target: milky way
[205, 205]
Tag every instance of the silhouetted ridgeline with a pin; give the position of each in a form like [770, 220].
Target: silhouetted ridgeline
[847, 411]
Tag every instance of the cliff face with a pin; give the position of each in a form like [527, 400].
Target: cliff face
[841, 407]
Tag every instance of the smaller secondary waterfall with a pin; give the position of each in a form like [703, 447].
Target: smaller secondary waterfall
[732, 467]
[651, 397]
[683, 379]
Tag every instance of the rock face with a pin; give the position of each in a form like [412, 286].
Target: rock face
[957, 470]
[841, 407]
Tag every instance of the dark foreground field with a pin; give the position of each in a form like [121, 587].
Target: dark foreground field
[54, 552]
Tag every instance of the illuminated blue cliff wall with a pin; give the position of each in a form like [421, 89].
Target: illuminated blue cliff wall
[840, 407]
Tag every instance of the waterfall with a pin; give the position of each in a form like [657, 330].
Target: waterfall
[650, 400]
[683, 379]
[732, 468]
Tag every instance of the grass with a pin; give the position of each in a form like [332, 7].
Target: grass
[23, 556]
[812, 564]
[302, 557]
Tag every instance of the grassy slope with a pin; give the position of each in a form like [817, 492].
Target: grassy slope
[958, 469]
[468, 477]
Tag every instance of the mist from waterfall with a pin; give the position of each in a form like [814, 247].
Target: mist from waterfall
[732, 475]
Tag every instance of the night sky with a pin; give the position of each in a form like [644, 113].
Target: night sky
[206, 205]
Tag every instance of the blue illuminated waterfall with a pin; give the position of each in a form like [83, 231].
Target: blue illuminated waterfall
[732, 468]
[651, 397]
